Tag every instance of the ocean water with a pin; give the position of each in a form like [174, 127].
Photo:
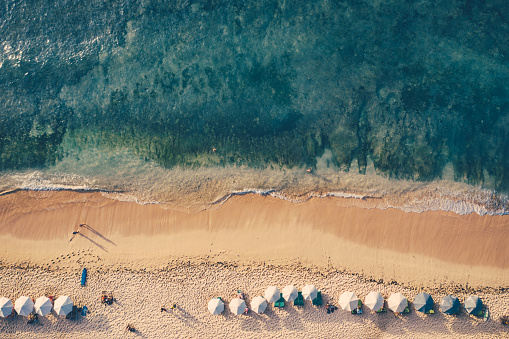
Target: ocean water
[190, 102]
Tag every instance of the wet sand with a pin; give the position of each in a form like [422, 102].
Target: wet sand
[153, 255]
[423, 249]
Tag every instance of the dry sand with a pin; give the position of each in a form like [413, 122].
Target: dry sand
[159, 254]
[140, 296]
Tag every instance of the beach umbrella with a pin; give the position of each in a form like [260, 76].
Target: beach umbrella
[374, 301]
[237, 306]
[259, 304]
[63, 305]
[5, 307]
[450, 304]
[216, 306]
[423, 302]
[473, 305]
[397, 302]
[43, 306]
[24, 306]
[290, 293]
[348, 301]
[272, 294]
[309, 292]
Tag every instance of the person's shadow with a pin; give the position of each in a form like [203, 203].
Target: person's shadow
[85, 226]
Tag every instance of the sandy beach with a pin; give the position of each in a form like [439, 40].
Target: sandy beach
[160, 254]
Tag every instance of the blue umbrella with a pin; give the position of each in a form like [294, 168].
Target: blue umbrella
[423, 302]
[450, 305]
[473, 305]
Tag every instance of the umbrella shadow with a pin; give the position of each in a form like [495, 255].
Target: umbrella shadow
[252, 322]
[98, 234]
[272, 323]
[293, 321]
[95, 243]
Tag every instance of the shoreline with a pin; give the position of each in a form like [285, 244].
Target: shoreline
[422, 249]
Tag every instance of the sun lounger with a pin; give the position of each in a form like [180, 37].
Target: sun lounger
[299, 301]
[318, 300]
[280, 302]
[358, 310]
[406, 310]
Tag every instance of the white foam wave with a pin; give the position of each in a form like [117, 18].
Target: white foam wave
[37, 181]
[442, 195]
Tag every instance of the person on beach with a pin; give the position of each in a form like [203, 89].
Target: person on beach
[174, 306]
[76, 232]
[163, 309]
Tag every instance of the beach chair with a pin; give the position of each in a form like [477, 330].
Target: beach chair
[318, 300]
[299, 301]
[358, 310]
[406, 310]
[280, 302]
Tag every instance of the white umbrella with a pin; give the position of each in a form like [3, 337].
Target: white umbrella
[374, 300]
[348, 301]
[63, 305]
[237, 306]
[272, 294]
[24, 306]
[259, 304]
[5, 307]
[216, 306]
[43, 306]
[397, 302]
[309, 292]
[290, 293]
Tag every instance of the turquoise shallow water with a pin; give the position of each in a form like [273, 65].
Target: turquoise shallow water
[193, 100]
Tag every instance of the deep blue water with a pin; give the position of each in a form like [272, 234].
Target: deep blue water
[99, 93]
